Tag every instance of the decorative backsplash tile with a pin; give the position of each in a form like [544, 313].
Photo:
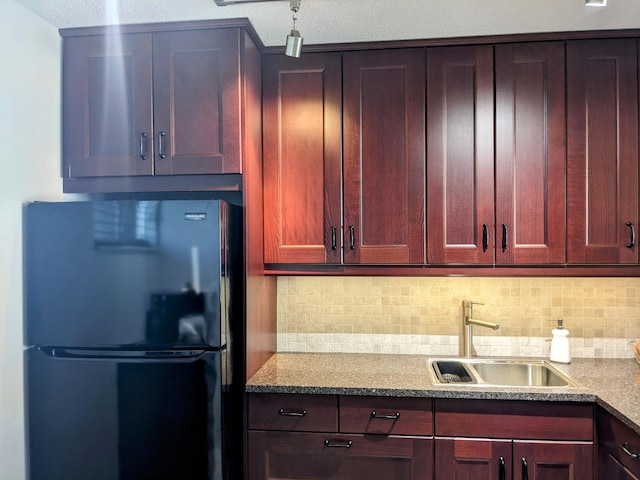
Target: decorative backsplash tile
[424, 315]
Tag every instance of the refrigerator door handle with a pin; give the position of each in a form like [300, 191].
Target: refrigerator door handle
[129, 355]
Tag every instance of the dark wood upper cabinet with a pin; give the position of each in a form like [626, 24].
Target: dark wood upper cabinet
[384, 156]
[302, 107]
[602, 155]
[152, 103]
[196, 93]
[460, 155]
[107, 105]
[530, 153]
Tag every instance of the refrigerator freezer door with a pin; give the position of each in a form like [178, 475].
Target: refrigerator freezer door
[126, 273]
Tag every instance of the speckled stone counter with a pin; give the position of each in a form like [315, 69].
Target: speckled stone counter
[612, 383]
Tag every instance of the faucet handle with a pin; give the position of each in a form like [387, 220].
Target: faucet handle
[469, 303]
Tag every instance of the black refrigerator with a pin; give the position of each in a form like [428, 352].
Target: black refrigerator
[131, 311]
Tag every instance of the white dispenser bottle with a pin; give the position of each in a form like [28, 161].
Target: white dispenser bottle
[560, 344]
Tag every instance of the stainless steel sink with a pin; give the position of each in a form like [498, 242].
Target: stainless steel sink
[499, 372]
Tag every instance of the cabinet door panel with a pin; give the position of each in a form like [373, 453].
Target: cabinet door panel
[107, 105]
[460, 174]
[477, 459]
[530, 152]
[602, 162]
[302, 159]
[197, 102]
[552, 460]
[383, 111]
[283, 455]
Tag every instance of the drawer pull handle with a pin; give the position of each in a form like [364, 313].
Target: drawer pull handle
[288, 413]
[395, 416]
[338, 443]
[625, 448]
[501, 469]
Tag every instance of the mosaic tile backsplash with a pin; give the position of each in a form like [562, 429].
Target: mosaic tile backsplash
[424, 315]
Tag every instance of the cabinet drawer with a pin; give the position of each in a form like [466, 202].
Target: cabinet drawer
[514, 419]
[613, 435]
[311, 413]
[386, 415]
[315, 456]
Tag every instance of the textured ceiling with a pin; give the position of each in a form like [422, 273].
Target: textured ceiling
[336, 21]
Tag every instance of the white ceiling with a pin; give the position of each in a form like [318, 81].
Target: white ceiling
[337, 21]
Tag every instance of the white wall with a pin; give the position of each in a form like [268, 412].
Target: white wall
[30, 60]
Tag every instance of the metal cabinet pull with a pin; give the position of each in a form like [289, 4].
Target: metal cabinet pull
[505, 237]
[485, 237]
[632, 235]
[395, 416]
[161, 153]
[625, 448]
[501, 470]
[352, 237]
[292, 413]
[334, 240]
[143, 144]
[525, 469]
[338, 443]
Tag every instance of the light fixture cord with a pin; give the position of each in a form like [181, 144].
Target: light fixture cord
[295, 6]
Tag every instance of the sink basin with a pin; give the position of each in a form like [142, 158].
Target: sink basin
[498, 372]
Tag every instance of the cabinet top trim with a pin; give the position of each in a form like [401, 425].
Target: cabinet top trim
[164, 27]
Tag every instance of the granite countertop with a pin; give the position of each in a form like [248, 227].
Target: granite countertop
[612, 383]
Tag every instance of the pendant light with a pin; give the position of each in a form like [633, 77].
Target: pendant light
[294, 40]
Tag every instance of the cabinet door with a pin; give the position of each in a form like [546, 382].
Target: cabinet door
[602, 161]
[611, 469]
[472, 459]
[107, 114]
[530, 153]
[311, 456]
[383, 114]
[552, 461]
[460, 188]
[302, 158]
[197, 102]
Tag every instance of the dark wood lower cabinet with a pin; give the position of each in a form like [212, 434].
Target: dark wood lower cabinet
[612, 469]
[539, 460]
[296, 455]
[504, 459]
[467, 458]
[618, 448]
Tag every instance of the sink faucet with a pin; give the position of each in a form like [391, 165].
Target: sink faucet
[467, 327]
